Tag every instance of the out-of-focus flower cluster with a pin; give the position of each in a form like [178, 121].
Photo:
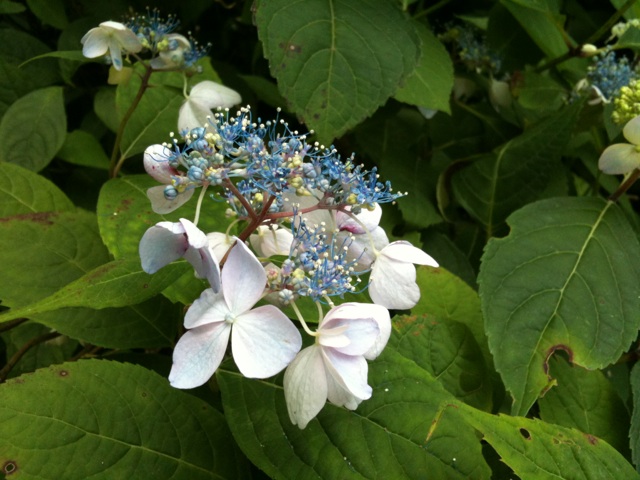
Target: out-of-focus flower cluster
[144, 33]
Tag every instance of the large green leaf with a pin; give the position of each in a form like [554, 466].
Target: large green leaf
[517, 173]
[535, 449]
[119, 283]
[16, 47]
[448, 351]
[23, 191]
[408, 427]
[33, 129]
[42, 252]
[153, 119]
[111, 420]
[566, 279]
[124, 214]
[431, 82]
[338, 68]
[587, 401]
[542, 20]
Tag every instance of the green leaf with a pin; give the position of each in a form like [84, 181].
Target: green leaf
[629, 39]
[82, 148]
[448, 297]
[542, 20]
[535, 449]
[118, 283]
[41, 252]
[566, 279]
[448, 351]
[431, 82]
[634, 433]
[539, 93]
[517, 173]
[104, 104]
[49, 12]
[23, 191]
[75, 55]
[408, 427]
[10, 7]
[109, 420]
[150, 324]
[338, 69]
[124, 214]
[265, 90]
[33, 129]
[15, 48]
[586, 400]
[153, 119]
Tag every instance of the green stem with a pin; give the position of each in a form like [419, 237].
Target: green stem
[576, 51]
[116, 163]
[431, 9]
[611, 22]
[625, 185]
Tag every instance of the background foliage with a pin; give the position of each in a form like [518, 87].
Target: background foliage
[519, 361]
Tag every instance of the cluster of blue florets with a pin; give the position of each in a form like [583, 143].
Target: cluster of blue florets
[609, 74]
[318, 266]
[156, 34]
[472, 48]
[270, 161]
[152, 28]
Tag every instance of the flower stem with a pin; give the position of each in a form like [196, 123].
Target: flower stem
[199, 204]
[625, 185]
[116, 163]
[301, 318]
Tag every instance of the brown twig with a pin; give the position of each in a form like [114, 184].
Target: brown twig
[4, 373]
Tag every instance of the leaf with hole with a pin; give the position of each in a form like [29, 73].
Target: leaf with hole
[565, 278]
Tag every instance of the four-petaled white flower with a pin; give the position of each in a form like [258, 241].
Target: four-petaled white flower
[166, 241]
[393, 276]
[204, 97]
[263, 339]
[621, 158]
[112, 36]
[335, 367]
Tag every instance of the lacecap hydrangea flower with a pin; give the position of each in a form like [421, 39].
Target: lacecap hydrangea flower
[313, 222]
